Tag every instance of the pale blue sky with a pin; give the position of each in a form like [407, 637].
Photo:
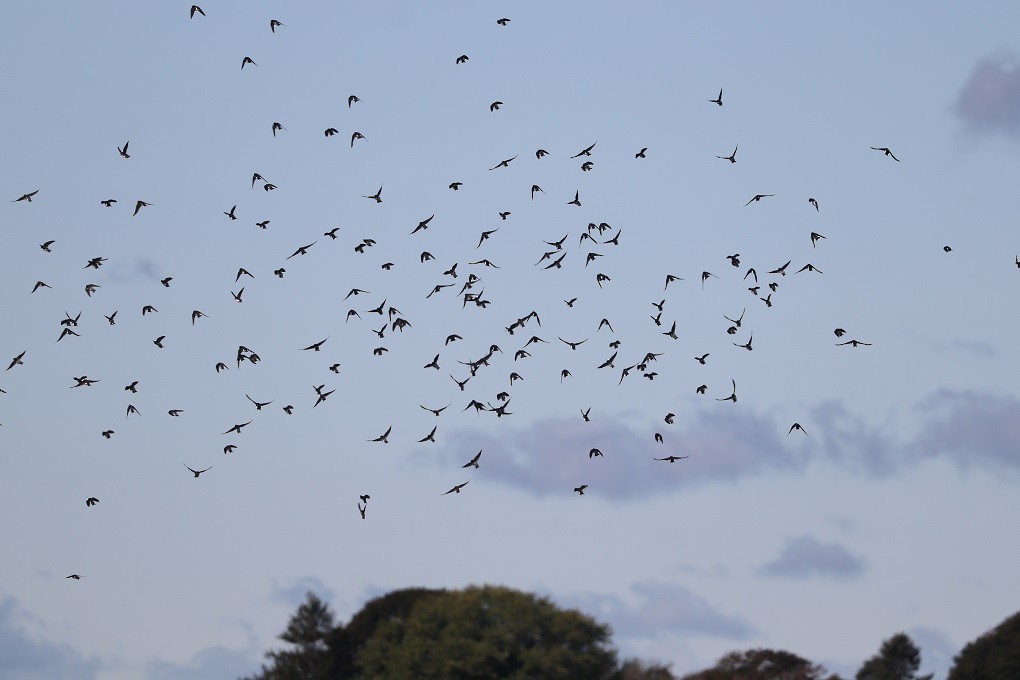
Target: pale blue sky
[891, 514]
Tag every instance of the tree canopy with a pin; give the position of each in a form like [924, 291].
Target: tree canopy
[763, 664]
[306, 632]
[480, 632]
[489, 632]
[897, 659]
[996, 654]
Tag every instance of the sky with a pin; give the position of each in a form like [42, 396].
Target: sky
[891, 509]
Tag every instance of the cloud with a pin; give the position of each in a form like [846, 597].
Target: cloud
[293, 592]
[971, 429]
[805, 557]
[663, 608]
[551, 455]
[211, 663]
[729, 444]
[140, 269]
[989, 101]
[25, 658]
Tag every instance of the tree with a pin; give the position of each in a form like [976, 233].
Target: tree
[307, 631]
[994, 655]
[897, 659]
[487, 632]
[635, 669]
[763, 664]
[346, 642]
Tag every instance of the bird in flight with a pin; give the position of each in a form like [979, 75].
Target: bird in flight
[456, 489]
[377, 195]
[756, 197]
[672, 459]
[885, 150]
[315, 346]
[732, 158]
[17, 361]
[26, 197]
[247, 60]
[138, 206]
[303, 250]
[462, 59]
[781, 270]
[641, 153]
[585, 152]
[194, 9]
[273, 23]
[124, 151]
[579, 490]
[717, 100]
[733, 395]
[258, 404]
[796, 426]
[503, 164]
[90, 501]
[853, 343]
[237, 428]
[197, 472]
[384, 437]
[473, 462]
[430, 437]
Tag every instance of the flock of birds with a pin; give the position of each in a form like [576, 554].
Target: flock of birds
[594, 245]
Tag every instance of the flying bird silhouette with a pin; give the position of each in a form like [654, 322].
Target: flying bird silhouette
[197, 472]
[885, 150]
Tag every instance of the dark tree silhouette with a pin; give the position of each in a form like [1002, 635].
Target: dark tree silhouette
[897, 659]
[763, 664]
[307, 632]
[489, 632]
[996, 654]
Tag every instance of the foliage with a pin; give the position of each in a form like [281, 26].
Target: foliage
[488, 632]
[763, 664]
[346, 642]
[635, 669]
[897, 659]
[993, 656]
[307, 632]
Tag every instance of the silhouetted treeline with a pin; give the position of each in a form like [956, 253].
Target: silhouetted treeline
[485, 632]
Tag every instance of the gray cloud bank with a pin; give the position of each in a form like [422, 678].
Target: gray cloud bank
[989, 101]
[662, 608]
[24, 658]
[805, 556]
[731, 443]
